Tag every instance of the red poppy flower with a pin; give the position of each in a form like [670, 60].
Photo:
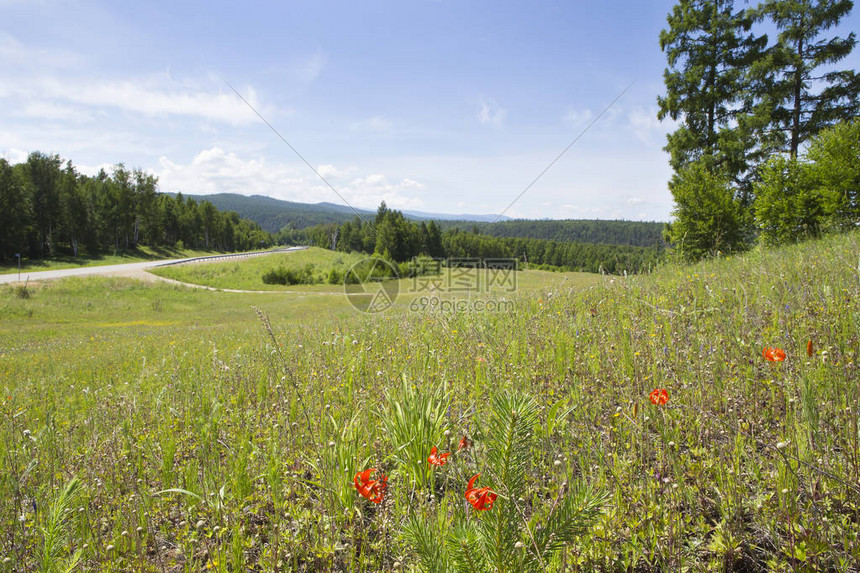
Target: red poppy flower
[481, 498]
[437, 459]
[465, 443]
[659, 396]
[773, 354]
[809, 348]
[374, 490]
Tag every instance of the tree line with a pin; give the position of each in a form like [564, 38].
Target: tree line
[639, 233]
[47, 208]
[394, 237]
[765, 124]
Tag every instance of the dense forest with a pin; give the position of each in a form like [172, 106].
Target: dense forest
[391, 235]
[48, 208]
[766, 146]
[638, 233]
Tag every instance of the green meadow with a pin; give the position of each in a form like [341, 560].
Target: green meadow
[158, 427]
[246, 274]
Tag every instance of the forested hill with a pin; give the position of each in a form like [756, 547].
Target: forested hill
[635, 233]
[275, 214]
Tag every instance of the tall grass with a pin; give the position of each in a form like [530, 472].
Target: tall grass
[751, 465]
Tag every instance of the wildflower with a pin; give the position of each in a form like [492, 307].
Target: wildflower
[809, 348]
[465, 443]
[437, 459]
[481, 498]
[374, 490]
[481, 359]
[659, 396]
[773, 354]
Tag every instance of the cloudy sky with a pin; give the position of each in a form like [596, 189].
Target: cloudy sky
[450, 106]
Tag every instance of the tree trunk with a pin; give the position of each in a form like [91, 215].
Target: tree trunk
[798, 94]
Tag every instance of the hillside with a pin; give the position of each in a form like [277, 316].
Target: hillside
[234, 430]
[275, 214]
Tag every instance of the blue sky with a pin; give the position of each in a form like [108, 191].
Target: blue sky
[441, 106]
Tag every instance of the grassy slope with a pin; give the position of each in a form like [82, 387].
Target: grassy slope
[247, 274]
[136, 389]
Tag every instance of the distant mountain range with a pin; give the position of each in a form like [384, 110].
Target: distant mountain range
[274, 214]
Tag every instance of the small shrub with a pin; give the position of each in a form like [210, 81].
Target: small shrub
[287, 276]
[335, 277]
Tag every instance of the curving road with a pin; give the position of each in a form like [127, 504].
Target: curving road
[129, 269]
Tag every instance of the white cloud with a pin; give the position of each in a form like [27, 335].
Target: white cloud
[14, 54]
[308, 70]
[328, 171]
[155, 96]
[215, 170]
[375, 188]
[646, 127]
[492, 114]
[14, 156]
[93, 170]
[576, 117]
[50, 110]
[42, 83]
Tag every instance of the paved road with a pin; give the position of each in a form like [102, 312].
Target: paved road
[127, 269]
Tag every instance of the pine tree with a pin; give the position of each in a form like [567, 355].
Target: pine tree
[709, 49]
[711, 52]
[806, 99]
[15, 213]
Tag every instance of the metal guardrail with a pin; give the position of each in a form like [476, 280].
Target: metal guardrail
[231, 256]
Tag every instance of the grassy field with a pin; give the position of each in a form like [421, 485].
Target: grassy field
[150, 427]
[69, 262]
[247, 274]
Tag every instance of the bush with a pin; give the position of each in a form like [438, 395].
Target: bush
[835, 173]
[787, 209]
[287, 276]
[708, 217]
